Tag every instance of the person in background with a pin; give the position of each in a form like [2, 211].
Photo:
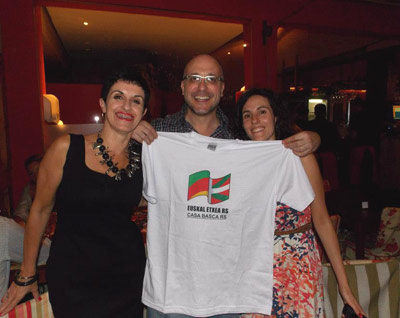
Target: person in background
[326, 130]
[11, 250]
[21, 212]
[202, 87]
[298, 286]
[96, 263]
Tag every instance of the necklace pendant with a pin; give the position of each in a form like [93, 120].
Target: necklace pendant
[129, 173]
[96, 145]
[107, 159]
[118, 176]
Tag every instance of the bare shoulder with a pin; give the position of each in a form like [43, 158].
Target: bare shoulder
[57, 151]
[51, 167]
[61, 143]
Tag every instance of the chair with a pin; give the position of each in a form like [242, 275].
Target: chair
[33, 309]
[375, 284]
[388, 240]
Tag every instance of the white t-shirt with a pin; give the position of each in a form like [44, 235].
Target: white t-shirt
[211, 221]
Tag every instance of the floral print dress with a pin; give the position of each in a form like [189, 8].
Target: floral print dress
[298, 285]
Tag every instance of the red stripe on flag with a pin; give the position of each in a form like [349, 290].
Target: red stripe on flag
[215, 181]
[226, 192]
[216, 198]
[199, 186]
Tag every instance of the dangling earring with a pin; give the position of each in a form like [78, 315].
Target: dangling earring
[103, 115]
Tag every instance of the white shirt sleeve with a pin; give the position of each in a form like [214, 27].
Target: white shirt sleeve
[293, 187]
[149, 184]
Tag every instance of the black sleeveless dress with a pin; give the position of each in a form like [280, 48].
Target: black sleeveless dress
[97, 258]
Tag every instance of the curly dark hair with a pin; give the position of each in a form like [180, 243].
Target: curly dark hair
[283, 127]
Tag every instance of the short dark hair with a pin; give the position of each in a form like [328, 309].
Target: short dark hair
[31, 159]
[320, 110]
[283, 126]
[133, 77]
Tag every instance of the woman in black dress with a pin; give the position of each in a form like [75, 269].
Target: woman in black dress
[96, 262]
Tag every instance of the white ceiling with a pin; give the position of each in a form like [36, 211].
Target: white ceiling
[136, 34]
[107, 31]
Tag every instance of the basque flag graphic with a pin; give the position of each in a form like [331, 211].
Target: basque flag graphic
[216, 190]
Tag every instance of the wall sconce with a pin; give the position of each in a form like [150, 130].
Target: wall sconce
[51, 108]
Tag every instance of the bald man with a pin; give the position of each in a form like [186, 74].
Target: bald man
[203, 86]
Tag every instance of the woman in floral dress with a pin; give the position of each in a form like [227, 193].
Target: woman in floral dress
[298, 286]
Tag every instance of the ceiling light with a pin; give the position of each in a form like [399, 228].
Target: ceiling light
[85, 23]
[96, 119]
[244, 45]
[229, 53]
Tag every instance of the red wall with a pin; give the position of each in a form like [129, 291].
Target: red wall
[79, 103]
[23, 83]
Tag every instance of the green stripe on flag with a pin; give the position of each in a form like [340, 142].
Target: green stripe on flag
[222, 181]
[220, 197]
[198, 175]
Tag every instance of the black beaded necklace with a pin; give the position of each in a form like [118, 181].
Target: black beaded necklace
[133, 164]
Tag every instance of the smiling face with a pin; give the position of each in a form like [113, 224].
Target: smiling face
[258, 118]
[124, 106]
[201, 97]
